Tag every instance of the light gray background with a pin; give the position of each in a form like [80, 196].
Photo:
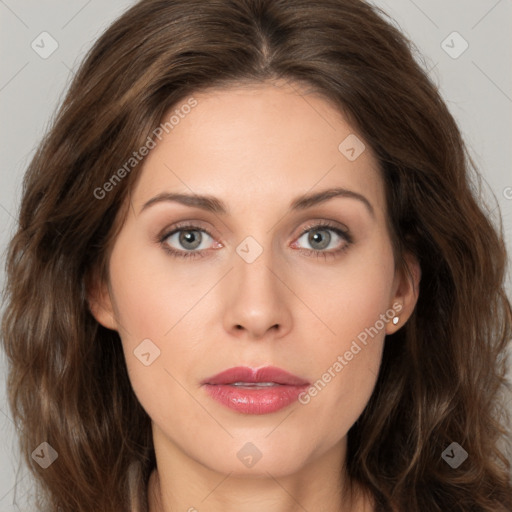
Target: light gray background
[477, 86]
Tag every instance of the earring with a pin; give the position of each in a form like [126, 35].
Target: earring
[396, 320]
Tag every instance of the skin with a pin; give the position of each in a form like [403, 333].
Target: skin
[256, 148]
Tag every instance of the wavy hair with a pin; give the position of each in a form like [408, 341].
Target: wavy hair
[443, 375]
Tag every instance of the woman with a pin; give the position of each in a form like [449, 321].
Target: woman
[251, 274]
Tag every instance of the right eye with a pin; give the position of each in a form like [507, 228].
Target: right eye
[187, 241]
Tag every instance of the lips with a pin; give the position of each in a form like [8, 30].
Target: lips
[250, 391]
[266, 374]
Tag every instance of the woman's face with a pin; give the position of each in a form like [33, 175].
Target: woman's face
[255, 283]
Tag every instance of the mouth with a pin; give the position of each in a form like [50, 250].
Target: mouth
[255, 385]
[250, 391]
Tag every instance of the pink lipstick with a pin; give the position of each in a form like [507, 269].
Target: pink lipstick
[255, 391]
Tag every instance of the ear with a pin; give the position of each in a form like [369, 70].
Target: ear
[407, 287]
[100, 302]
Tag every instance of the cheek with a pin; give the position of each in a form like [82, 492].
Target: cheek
[346, 373]
[141, 293]
[355, 306]
[353, 297]
[151, 311]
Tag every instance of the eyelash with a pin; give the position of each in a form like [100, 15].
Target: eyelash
[345, 235]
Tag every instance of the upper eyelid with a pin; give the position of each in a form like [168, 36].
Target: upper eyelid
[326, 224]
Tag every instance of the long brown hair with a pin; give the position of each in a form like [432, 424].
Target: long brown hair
[442, 378]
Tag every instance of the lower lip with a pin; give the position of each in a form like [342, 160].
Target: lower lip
[255, 401]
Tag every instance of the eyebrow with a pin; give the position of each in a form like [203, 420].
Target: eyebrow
[215, 205]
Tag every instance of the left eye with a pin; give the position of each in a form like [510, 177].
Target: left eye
[320, 237]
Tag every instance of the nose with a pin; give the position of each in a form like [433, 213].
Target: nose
[257, 299]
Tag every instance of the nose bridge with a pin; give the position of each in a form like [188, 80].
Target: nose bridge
[253, 261]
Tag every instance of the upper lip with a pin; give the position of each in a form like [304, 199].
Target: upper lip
[264, 374]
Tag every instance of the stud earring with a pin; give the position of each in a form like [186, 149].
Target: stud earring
[396, 320]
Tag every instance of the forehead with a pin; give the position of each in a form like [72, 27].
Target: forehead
[257, 146]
